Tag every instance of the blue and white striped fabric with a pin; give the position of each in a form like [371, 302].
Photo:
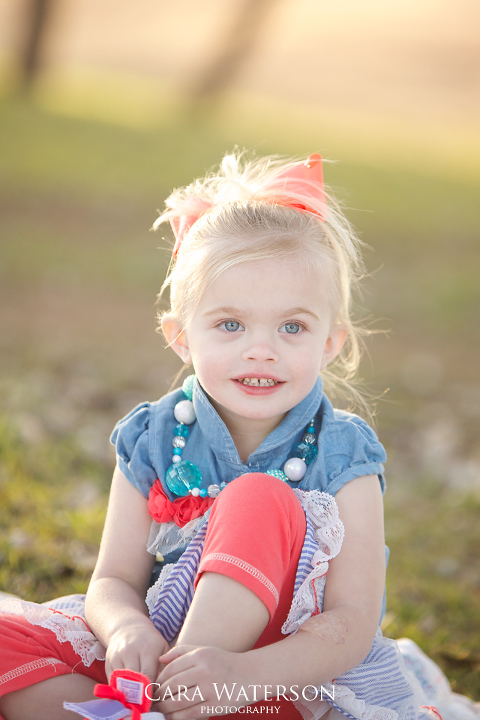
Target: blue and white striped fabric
[305, 566]
[382, 680]
[176, 596]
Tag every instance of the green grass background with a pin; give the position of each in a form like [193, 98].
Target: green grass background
[79, 272]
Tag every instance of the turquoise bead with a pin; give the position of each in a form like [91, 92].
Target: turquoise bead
[187, 386]
[203, 492]
[182, 477]
[278, 474]
[181, 430]
[305, 451]
[177, 450]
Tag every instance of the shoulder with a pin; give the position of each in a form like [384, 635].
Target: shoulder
[346, 426]
[348, 448]
[139, 437]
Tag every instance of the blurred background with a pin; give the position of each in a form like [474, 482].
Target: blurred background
[105, 106]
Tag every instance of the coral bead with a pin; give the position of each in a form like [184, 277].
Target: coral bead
[295, 469]
[184, 412]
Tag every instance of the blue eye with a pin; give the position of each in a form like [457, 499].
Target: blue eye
[231, 325]
[292, 328]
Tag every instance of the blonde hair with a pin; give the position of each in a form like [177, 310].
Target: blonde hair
[237, 225]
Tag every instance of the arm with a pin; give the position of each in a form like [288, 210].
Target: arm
[353, 595]
[352, 608]
[115, 604]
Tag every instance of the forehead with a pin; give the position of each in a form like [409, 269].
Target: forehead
[268, 287]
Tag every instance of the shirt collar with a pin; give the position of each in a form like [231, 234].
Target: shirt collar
[217, 436]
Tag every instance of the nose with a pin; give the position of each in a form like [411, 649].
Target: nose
[260, 349]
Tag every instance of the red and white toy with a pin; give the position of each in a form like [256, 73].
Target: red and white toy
[124, 697]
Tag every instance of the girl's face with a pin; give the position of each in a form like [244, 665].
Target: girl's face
[259, 336]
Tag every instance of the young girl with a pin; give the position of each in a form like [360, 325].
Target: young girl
[263, 503]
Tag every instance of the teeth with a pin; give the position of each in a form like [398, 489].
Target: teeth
[259, 382]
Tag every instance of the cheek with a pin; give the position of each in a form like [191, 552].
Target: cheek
[208, 360]
[309, 355]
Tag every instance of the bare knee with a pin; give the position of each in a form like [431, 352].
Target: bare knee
[44, 700]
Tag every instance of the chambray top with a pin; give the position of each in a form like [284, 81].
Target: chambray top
[347, 446]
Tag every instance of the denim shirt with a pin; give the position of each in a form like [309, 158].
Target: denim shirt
[347, 446]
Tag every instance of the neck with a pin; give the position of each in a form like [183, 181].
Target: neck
[247, 433]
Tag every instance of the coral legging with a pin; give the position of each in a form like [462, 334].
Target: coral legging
[255, 536]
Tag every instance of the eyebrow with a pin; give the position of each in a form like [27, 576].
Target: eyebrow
[237, 312]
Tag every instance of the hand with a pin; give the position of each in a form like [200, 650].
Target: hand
[136, 647]
[197, 678]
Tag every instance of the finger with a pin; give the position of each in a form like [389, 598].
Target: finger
[184, 679]
[126, 660]
[176, 665]
[150, 667]
[175, 652]
[172, 672]
[182, 694]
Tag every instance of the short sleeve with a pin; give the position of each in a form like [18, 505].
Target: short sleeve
[131, 440]
[350, 449]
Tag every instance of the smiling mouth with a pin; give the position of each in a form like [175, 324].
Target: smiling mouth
[258, 382]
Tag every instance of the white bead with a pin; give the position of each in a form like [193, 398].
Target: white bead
[184, 412]
[295, 469]
[176, 458]
[195, 492]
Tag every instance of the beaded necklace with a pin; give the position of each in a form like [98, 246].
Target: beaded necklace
[184, 477]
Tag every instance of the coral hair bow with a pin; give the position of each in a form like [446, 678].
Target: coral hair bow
[300, 186]
[181, 224]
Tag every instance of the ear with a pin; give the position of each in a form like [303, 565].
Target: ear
[334, 344]
[176, 337]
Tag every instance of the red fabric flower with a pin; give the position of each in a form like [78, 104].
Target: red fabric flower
[181, 510]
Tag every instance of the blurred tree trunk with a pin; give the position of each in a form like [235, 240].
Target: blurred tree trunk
[248, 24]
[37, 16]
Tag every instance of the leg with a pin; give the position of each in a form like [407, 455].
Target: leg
[246, 576]
[44, 700]
[38, 673]
[247, 572]
[231, 600]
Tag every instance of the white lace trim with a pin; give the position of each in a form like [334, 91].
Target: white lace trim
[154, 591]
[67, 628]
[346, 700]
[322, 511]
[166, 537]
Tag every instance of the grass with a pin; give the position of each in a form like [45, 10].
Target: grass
[78, 276]
[433, 587]
[50, 528]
